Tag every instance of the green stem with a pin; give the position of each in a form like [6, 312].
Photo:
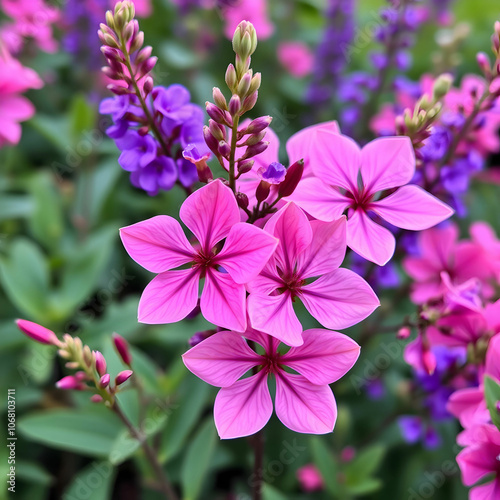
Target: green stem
[165, 484]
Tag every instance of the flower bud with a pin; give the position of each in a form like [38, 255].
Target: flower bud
[242, 199]
[484, 64]
[70, 382]
[224, 149]
[104, 381]
[259, 124]
[429, 361]
[292, 178]
[144, 55]
[244, 85]
[121, 346]
[234, 105]
[148, 85]
[123, 376]
[442, 86]
[255, 84]
[96, 398]
[255, 149]
[216, 113]
[37, 332]
[210, 140]
[347, 454]
[403, 333]
[245, 40]
[219, 98]
[137, 42]
[249, 103]
[200, 337]
[245, 166]
[231, 78]
[262, 191]
[254, 139]
[100, 363]
[218, 130]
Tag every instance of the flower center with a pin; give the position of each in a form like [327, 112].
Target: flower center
[271, 362]
[203, 260]
[360, 199]
[291, 283]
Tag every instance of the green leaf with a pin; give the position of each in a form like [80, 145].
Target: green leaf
[14, 206]
[185, 413]
[492, 395]
[95, 482]
[270, 493]
[365, 463]
[82, 431]
[325, 463]
[82, 117]
[84, 269]
[364, 486]
[46, 222]
[33, 473]
[197, 461]
[25, 277]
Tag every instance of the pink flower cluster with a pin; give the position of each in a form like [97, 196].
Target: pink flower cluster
[454, 284]
[254, 277]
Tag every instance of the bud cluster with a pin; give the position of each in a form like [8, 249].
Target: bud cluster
[417, 124]
[129, 64]
[244, 86]
[91, 367]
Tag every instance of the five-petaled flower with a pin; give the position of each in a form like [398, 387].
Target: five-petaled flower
[303, 402]
[383, 164]
[160, 245]
[339, 298]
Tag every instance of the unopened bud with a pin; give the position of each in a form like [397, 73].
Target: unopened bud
[255, 149]
[262, 191]
[249, 103]
[96, 398]
[255, 83]
[242, 200]
[219, 98]
[121, 346]
[442, 86]
[259, 124]
[70, 383]
[37, 332]
[216, 113]
[235, 105]
[224, 149]
[123, 376]
[104, 381]
[231, 78]
[100, 363]
[293, 176]
[403, 333]
[245, 166]
[245, 39]
[429, 361]
[244, 85]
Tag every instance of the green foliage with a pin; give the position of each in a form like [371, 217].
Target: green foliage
[492, 395]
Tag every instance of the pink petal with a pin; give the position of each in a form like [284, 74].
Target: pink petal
[410, 207]
[324, 357]
[267, 281]
[169, 297]
[271, 154]
[304, 407]
[339, 299]
[475, 464]
[493, 357]
[157, 244]
[437, 245]
[221, 359]
[368, 239]
[244, 408]
[274, 315]
[246, 251]
[321, 200]
[387, 162]
[335, 159]
[300, 145]
[326, 251]
[268, 342]
[469, 406]
[210, 212]
[223, 301]
[488, 491]
[291, 227]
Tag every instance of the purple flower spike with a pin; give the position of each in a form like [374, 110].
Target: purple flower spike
[273, 174]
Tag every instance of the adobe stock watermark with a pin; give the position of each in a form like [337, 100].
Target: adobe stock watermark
[373, 367]
[435, 480]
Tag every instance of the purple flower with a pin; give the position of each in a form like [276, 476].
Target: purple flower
[161, 173]
[414, 430]
[137, 150]
[273, 173]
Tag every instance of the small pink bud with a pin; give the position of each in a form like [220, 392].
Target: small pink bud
[245, 166]
[96, 398]
[255, 149]
[100, 363]
[429, 361]
[37, 332]
[216, 113]
[70, 382]
[347, 454]
[121, 346]
[262, 191]
[80, 376]
[224, 149]
[104, 382]
[259, 124]
[235, 105]
[403, 333]
[293, 175]
[242, 199]
[148, 85]
[123, 376]
[483, 61]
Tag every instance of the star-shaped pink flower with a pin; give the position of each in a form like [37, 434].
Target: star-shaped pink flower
[347, 177]
[304, 402]
[338, 298]
[160, 245]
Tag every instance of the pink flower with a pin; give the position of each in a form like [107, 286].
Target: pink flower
[480, 459]
[14, 108]
[37, 332]
[33, 19]
[296, 57]
[159, 245]
[253, 11]
[338, 298]
[440, 252]
[304, 402]
[383, 164]
[469, 405]
[310, 478]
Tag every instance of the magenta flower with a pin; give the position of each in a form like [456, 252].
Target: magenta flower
[159, 245]
[383, 164]
[338, 298]
[304, 402]
[479, 460]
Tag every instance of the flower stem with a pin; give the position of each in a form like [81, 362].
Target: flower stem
[258, 446]
[234, 140]
[165, 484]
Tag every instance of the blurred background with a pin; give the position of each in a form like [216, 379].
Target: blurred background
[63, 198]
